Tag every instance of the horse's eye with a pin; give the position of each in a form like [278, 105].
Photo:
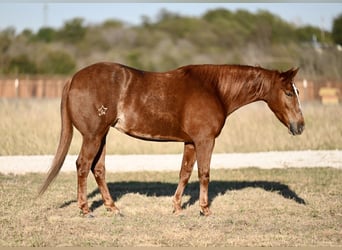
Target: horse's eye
[289, 93]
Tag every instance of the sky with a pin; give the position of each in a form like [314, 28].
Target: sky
[32, 15]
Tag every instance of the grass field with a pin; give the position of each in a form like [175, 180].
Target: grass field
[251, 207]
[31, 127]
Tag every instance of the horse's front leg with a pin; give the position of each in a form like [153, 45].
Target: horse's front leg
[189, 158]
[204, 149]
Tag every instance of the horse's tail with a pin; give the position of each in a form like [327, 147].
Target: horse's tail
[64, 141]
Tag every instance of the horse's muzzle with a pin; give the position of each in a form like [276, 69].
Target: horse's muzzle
[296, 128]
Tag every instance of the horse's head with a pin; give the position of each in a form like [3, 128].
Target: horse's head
[283, 100]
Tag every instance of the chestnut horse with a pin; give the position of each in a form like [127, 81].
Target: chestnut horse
[189, 104]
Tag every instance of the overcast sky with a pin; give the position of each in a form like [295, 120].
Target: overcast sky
[33, 16]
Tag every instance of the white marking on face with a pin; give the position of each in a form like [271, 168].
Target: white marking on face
[296, 93]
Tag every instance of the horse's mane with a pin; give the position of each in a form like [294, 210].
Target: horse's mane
[233, 78]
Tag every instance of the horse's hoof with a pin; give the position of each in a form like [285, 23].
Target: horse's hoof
[114, 211]
[87, 215]
[90, 216]
[205, 212]
[177, 209]
[178, 212]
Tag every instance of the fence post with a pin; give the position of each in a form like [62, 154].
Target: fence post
[16, 87]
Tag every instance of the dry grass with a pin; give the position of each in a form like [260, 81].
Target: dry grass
[30, 127]
[252, 207]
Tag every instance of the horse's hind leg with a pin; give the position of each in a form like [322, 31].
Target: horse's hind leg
[189, 158]
[89, 150]
[99, 172]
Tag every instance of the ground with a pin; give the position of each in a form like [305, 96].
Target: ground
[128, 163]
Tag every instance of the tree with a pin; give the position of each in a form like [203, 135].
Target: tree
[46, 34]
[220, 13]
[305, 34]
[6, 38]
[337, 30]
[112, 23]
[27, 33]
[57, 62]
[73, 31]
[21, 64]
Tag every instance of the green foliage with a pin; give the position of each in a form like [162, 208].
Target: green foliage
[21, 64]
[73, 31]
[306, 33]
[171, 40]
[111, 23]
[217, 14]
[46, 34]
[6, 38]
[57, 62]
[177, 26]
[134, 59]
[337, 30]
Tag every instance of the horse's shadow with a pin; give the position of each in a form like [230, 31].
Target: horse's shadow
[158, 189]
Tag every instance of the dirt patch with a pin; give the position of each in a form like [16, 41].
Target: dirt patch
[171, 162]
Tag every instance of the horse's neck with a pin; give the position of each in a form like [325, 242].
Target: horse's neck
[239, 87]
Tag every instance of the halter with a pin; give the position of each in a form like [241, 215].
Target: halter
[296, 93]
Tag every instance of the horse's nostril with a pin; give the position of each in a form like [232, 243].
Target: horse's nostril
[301, 128]
[296, 129]
[292, 128]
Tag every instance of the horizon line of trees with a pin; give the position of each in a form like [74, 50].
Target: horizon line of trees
[218, 36]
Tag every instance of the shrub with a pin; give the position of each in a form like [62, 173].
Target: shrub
[57, 62]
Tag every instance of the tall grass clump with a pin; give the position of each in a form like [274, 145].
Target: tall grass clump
[32, 127]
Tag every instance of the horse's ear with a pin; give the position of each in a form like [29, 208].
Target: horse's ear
[290, 74]
[294, 71]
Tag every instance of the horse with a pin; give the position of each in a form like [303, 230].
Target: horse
[189, 104]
